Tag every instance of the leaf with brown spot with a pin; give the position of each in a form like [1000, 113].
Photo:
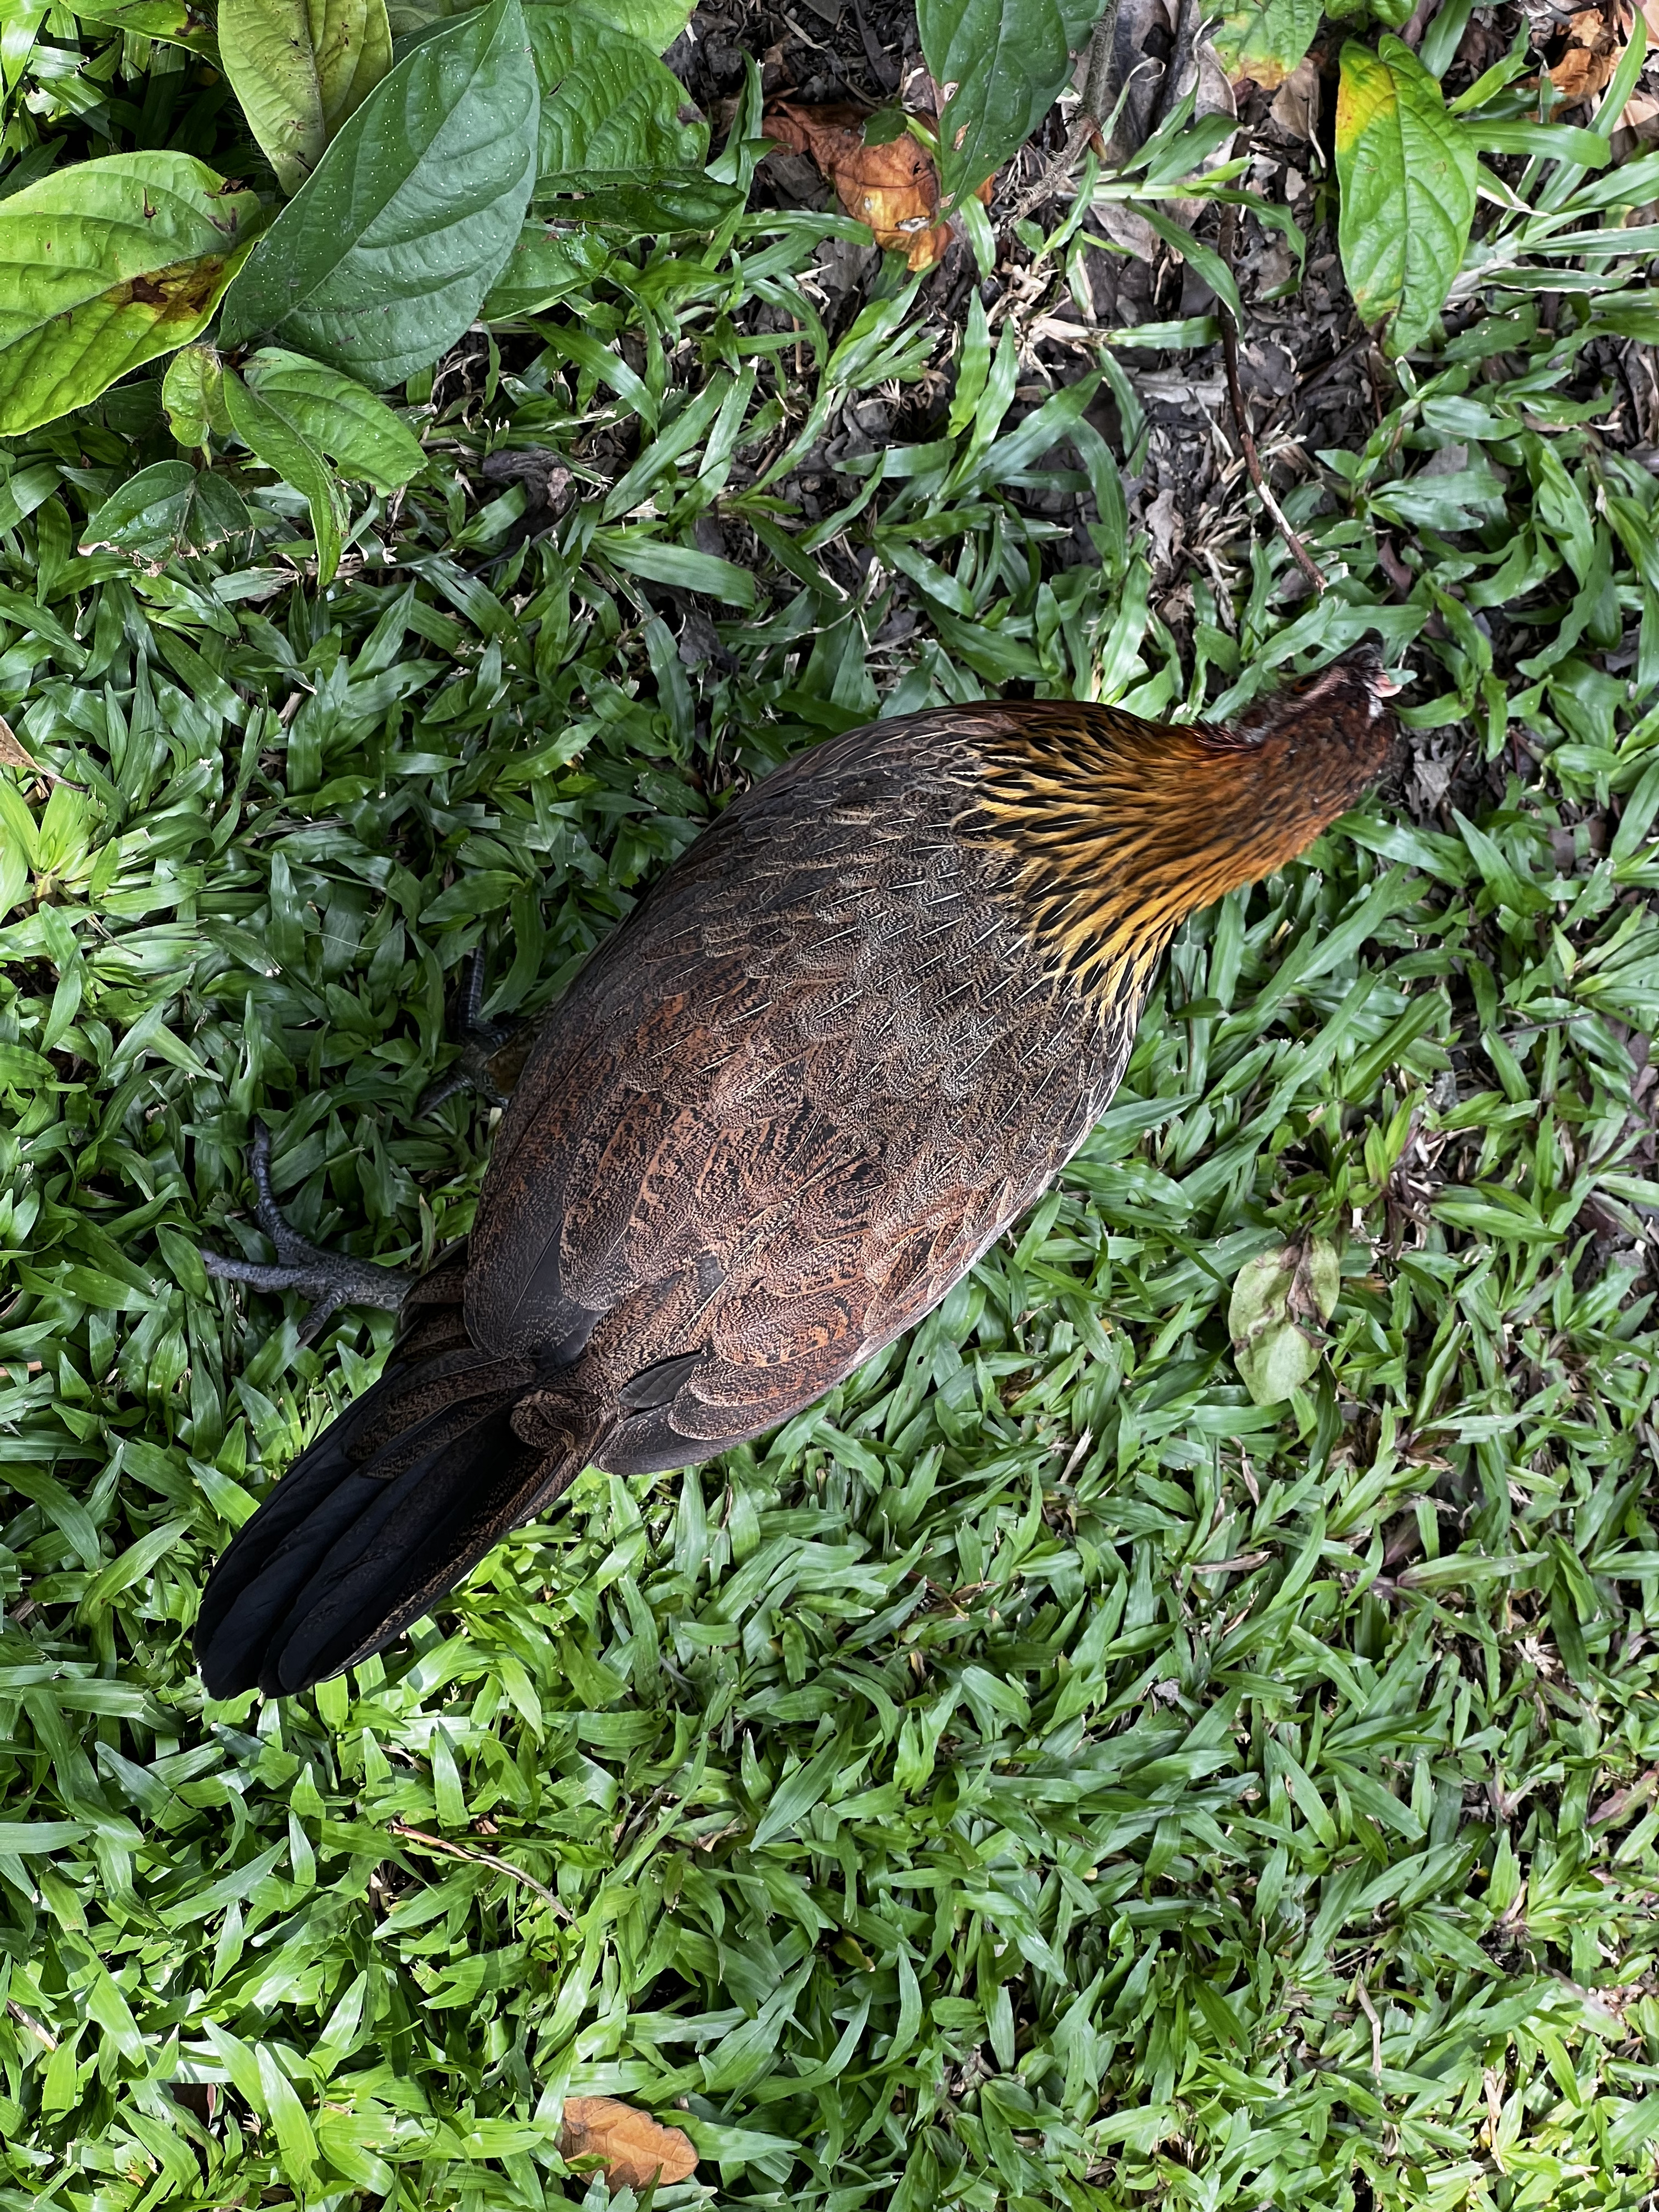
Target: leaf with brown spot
[894, 188]
[109, 264]
[177, 22]
[634, 2148]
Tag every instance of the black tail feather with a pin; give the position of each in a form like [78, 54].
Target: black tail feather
[388, 1510]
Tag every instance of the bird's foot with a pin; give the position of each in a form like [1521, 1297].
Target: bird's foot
[486, 1064]
[332, 1280]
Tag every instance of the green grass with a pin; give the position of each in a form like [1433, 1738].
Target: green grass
[1039, 1777]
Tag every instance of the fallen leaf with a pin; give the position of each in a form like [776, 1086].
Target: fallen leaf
[635, 2149]
[1279, 1299]
[1593, 46]
[12, 755]
[1296, 104]
[1128, 228]
[894, 188]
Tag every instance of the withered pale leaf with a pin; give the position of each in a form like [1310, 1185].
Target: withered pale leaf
[635, 2149]
[12, 755]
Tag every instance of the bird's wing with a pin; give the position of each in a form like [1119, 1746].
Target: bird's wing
[787, 1105]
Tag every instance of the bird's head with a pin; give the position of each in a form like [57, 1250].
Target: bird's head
[1343, 707]
[1124, 826]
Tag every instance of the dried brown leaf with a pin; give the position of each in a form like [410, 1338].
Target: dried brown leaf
[634, 2148]
[1595, 43]
[894, 188]
[12, 755]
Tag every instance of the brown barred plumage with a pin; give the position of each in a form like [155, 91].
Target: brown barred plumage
[839, 1049]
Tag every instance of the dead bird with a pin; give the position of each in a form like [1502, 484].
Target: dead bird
[844, 1043]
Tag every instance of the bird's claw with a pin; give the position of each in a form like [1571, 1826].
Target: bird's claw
[331, 1280]
[482, 1041]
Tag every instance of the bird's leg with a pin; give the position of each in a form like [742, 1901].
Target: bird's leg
[332, 1280]
[485, 1065]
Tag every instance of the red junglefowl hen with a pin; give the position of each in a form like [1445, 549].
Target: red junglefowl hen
[843, 1044]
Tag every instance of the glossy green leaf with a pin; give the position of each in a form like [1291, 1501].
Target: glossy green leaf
[166, 510]
[105, 265]
[607, 103]
[355, 270]
[1000, 64]
[655, 23]
[334, 413]
[1407, 172]
[271, 433]
[191, 395]
[543, 267]
[654, 205]
[300, 68]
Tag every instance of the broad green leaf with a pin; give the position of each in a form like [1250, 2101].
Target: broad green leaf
[408, 19]
[1265, 39]
[1001, 65]
[385, 256]
[176, 22]
[107, 264]
[166, 510]
[270, 432]
[334, 413]
[607, 103]
[543, 267]
[1407, 173]
[655, 23]
[300, 69]
[191, 395]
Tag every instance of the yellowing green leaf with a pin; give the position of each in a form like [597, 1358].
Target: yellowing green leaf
[1407, 173]
[107, 264]
[176, 22]
[300, 69]
[1279, 1299]
[1264, 39]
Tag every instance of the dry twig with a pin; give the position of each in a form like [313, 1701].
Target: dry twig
[1281, 522]
[482, 1858]
[1090, 120]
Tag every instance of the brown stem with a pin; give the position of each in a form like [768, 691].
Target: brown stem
[1089, 120]
[482, 1858]
[1299, 553]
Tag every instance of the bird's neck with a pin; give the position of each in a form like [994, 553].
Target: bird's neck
[1120, 829]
